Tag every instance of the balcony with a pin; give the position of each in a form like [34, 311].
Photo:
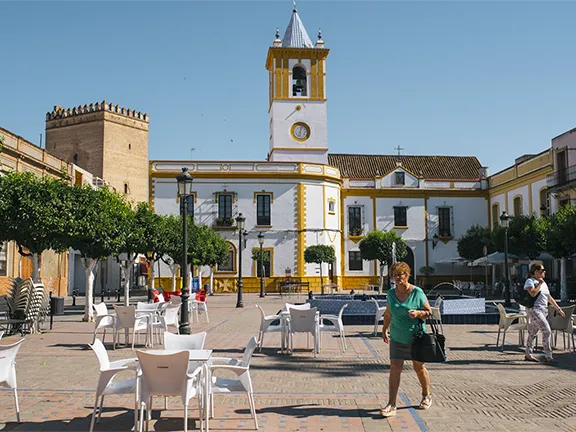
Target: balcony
[224, 223]
[562, 177]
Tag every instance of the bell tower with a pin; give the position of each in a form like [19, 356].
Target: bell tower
[297, 94]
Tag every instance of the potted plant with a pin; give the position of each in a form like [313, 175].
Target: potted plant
[356, 231]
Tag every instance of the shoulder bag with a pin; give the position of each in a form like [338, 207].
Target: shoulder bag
[428, 347]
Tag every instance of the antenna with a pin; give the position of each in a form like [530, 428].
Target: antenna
[40, 140]
[294, 3]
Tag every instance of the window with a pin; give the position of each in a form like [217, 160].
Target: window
[495, 215]
[125, 188]
[129, 146]
[331, 206]
[355, 261]
[267, 263]
[230, 265]
[544, 204]
[400, 219]
[564, 202]
[4, 259]
[263, 210]
[399, 178]
[355, 220]
[190, 205]
[444, 222]
[518, 206]
[225, 206]
[299, 84]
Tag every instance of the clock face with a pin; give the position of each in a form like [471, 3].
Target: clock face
[300, 131]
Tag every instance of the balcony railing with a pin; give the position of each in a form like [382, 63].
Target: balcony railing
[562, 177]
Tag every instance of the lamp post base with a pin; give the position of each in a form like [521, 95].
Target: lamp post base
[184, 329]
[240, 304]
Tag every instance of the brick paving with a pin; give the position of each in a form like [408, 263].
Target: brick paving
[480, 389]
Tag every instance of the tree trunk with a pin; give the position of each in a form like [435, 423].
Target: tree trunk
[89, 265]
[381, 284]
[127, 274]
[563, 287]
[174, 269]
[199, 277]
[151, 274]
[36, 259]
[211, 280]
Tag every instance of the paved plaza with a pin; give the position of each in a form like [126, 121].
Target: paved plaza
[479, 389]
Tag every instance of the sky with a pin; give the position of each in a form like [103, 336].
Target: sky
[488, 79]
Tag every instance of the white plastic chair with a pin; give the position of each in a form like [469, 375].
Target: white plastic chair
[506, 323]
[185, 342]
[241, 385]
[161, 298]
[169, 318]
[8, 370]
[564, 325]
[303, 321]
[104, 320]
[126, 318]
[167, 375]
[106, 383]
[196, 307]
[436, 315]
[379, 317]
[1, 334]
[266, 325]
[336, 326]
[288, 306]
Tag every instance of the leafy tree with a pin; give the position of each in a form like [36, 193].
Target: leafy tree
[34, 211]
[525, 237]
[319, 254]
[97, 229]
[559, 232]
[377, 245]
[217, 253]
[471, 244]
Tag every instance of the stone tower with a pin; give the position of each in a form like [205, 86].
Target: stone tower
[105, 139]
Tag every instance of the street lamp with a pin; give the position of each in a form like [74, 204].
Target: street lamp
[261, 241]
[240, 220]
[184, 180]
[505, 221]
[149, 258]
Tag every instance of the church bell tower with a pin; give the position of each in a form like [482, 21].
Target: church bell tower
[297, 93]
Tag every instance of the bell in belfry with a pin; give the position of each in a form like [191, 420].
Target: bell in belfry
[299, 87]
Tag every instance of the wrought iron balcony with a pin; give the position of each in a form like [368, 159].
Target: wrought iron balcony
[561, 177]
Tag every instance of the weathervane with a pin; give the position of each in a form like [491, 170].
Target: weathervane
[294, 3]
[399, 148]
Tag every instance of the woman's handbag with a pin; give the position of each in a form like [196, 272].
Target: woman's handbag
[428, 347]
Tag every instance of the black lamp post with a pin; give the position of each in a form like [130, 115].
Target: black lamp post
[240, 220]
[261, 241]
[505, 221]
[184, 180]
[149, 257]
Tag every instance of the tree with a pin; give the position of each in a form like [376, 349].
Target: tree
[217, 254]
[525, 237]
[377, 246]
[34, 211]
[319, 254]
[96, 228]
[471, 244]
[560, 238]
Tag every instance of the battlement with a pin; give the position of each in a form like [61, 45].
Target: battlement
[60, 112]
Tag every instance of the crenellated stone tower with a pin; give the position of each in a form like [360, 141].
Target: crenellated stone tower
[105, 139]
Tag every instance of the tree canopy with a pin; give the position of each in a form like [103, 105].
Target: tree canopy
[319, 254]
[471, 244]
[377, 245]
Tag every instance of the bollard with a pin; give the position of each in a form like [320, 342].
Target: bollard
[108, 291]
[118, 294]
[51, 311]
[102, 296]
[74, 294]
[310, 295]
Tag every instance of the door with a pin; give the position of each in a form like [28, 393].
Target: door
[561, 166]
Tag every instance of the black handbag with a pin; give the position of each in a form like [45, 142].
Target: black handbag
[428, 347]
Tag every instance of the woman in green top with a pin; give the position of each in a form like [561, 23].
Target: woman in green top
[406, 304]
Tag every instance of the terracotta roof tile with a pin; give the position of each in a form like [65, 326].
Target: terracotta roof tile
[430, 167]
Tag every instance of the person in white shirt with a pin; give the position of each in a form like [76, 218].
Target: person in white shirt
[539, 291]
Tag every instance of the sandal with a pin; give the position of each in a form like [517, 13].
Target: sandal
[531, 358]
[549, 360]
[388, 411]
[426, 402]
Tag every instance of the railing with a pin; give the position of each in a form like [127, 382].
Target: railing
[562, 177]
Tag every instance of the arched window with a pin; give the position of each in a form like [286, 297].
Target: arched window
[518, 206]
[299, 81]
[230, 265]
[125, 188]
[495, 215]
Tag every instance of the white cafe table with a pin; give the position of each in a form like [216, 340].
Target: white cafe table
[203, 356]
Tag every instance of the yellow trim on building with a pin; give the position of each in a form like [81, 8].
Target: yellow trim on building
[414, 193]
[300, 226]
[263, 192]
[426, 229]
[300, 148]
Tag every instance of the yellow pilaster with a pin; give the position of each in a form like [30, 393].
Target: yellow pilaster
[300, 227]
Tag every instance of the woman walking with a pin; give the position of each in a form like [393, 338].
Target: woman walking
[406, 304]
[538, 289]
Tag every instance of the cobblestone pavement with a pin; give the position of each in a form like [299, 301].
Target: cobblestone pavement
[480, 388]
